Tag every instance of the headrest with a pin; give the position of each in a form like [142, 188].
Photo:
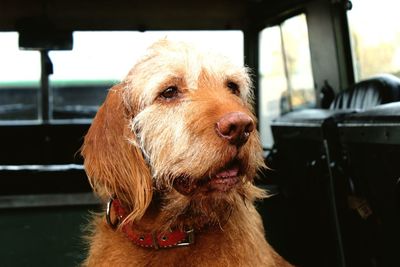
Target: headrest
[369, 93]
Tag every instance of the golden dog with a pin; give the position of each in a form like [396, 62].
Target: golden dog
[174, 150]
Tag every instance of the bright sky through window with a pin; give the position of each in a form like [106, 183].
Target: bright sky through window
[106, 55]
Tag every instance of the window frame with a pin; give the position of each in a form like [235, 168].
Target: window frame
[278, 22]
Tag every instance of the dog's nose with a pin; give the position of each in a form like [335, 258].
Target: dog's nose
[235, 127]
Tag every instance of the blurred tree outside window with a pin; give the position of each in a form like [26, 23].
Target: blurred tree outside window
[375, 35]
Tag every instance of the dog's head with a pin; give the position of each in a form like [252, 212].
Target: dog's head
[181, 125]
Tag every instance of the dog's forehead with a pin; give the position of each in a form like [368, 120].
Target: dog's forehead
[166, 62]
[190, 61]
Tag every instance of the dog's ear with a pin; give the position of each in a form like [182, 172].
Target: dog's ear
[114, 165]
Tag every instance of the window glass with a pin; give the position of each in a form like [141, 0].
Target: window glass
[375, 33]
[19, 80]
[298, 61]
[286, 81]
[100, 59]
[273, 82]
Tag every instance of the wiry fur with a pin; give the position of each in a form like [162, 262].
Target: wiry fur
[139, 145]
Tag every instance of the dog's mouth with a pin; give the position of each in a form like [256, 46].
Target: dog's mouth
[223, 180]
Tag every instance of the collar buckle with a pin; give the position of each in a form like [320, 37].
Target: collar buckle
[189, 240]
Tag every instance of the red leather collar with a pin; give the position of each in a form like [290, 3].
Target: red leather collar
[156, 240]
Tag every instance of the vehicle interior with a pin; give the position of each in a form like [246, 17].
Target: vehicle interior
[326, 79]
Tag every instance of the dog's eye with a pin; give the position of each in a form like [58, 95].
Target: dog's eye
[170, 92]
[233, 87]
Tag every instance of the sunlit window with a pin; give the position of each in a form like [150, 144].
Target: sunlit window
[286, 81]
[19, 80]
[82, 77]
[375, 33]
[100, 59]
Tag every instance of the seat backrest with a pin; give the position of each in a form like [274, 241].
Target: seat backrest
[369, 93]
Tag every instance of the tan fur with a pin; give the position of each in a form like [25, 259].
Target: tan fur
[140, 144]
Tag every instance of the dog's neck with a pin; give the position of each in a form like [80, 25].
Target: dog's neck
[182, 212]
[161, 215]
[171, 210]
[183, 223]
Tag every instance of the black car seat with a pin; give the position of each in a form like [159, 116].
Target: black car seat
[311, 180]
[369, 93]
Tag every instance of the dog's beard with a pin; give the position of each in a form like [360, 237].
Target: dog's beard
[200, 210]
[209, 199]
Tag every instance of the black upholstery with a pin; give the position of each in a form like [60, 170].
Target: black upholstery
[371, 143]
[369, 93]
[323, 158]
[300, 160]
